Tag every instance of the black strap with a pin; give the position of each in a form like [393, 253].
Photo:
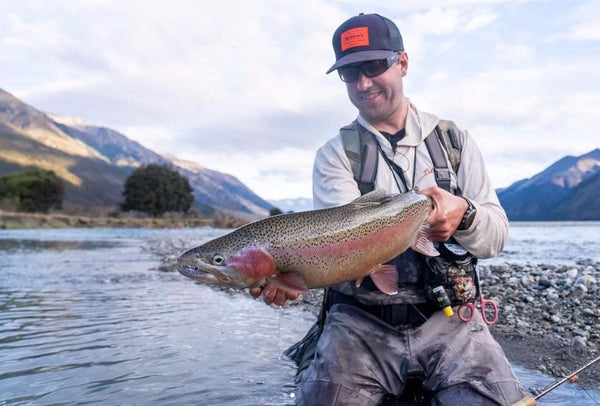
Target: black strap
[410, 314]
[440, 165]
[369, 160]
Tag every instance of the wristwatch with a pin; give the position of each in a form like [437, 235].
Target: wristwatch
[468, 217]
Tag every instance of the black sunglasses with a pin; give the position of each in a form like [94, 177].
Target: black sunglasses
[370, 69]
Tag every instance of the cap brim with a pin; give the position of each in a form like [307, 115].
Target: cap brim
[360, 56]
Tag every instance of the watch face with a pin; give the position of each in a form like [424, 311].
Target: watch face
[469, 219]
[468, 216]
[456, 249]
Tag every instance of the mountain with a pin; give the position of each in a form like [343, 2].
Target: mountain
[566, 190]
[295, 205]
[94, 162]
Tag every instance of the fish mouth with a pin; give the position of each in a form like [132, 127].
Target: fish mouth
[192, 268]
[192, 272]
[216, 278]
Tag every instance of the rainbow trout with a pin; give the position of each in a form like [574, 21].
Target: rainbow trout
[313, 249]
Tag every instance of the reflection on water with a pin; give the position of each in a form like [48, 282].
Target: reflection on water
[88, 322]
[26, 245]
[141, 345]
[83, 319]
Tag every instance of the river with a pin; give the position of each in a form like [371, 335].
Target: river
[86, 317]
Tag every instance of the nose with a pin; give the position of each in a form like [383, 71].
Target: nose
[363, 82]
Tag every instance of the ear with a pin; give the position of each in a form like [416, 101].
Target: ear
[403, 61]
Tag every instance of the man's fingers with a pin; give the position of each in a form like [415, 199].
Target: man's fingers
[273, 295]
[255, 292]
[292, 295]
[269, 294]
[280, 297]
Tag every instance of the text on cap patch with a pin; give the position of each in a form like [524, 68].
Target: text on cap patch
[355, 37]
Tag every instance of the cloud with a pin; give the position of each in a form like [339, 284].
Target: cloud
[585, 24]
[240, 87]
[275, 174]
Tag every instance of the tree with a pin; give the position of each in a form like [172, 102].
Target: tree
[156, 189]
[275, 211]
[37, 191]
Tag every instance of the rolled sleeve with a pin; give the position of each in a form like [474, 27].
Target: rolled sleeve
[333, 181]
[489, 232]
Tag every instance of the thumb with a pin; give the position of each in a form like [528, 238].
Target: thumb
[255, 292]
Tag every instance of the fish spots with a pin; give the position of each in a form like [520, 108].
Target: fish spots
[325, 246]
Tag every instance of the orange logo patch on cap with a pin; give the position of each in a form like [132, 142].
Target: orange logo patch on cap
[355, 37]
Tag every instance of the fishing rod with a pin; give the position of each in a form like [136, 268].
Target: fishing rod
[572, 377]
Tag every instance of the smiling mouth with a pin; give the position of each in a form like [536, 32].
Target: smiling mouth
[369, 96]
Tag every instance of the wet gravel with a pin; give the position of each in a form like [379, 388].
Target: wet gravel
[549, 314]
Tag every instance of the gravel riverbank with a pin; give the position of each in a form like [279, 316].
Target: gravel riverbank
[549, 314]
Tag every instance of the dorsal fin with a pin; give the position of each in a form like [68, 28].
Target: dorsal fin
[377, 196]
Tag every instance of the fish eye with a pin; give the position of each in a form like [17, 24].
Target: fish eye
[218, 259]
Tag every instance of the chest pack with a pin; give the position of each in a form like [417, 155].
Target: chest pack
[363, 153]
[454, 268]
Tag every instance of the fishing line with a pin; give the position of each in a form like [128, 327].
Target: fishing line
[532, 401]
[279, 310]
[418, 311]
[589, 396]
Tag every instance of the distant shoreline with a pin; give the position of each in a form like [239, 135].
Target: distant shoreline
[18, 220]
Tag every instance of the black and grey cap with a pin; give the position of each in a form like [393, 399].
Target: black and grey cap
[365, 37]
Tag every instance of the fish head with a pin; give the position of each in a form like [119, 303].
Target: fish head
[245, 267]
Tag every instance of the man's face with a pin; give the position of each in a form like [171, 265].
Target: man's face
[380, 99]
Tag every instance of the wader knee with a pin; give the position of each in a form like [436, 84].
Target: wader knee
[499, 394]
[322, 393]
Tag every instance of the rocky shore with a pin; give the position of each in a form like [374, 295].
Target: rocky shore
[549, 314]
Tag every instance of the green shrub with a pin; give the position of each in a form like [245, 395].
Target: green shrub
[156, 189]
[37, 191]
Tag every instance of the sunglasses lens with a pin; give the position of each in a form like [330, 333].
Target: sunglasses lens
[348, 74]
[374, 68]
[370, 69]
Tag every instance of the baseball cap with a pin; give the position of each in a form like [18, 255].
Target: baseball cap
[365, 37]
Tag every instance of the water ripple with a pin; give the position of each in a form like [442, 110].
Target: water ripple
[83, 319]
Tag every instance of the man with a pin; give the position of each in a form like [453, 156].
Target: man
[371, 342]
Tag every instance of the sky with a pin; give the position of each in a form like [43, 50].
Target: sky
[240, 86]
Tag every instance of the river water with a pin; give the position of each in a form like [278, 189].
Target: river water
[86, 318]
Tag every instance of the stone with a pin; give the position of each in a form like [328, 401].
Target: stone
[580, 290]
[544, 283]
[573, 273]
[579, 344]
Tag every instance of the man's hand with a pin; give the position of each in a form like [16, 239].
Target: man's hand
[448, 211]
[273, 295]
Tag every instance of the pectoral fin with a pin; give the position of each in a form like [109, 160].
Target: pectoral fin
[290, 281]
[385, 277]
[423, 244]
